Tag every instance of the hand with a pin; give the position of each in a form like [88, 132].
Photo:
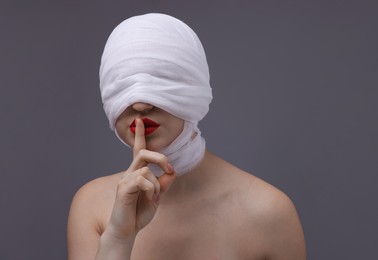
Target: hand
[138, 191]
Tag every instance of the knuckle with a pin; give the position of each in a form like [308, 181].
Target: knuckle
[142, 153]
[144, 170]
[122, 186]
[150, 186]
[139, 179]
[123, 181]
[162, 158]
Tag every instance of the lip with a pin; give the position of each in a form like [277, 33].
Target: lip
[150, 126]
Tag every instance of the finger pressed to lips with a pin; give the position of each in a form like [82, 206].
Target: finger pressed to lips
[145, 179]
[150, 126]
[140, 141]
[142, 156]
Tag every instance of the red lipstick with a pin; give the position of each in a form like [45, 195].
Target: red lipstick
[149, 126]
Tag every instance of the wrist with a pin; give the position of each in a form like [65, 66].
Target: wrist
[113, 246]
[117, 238]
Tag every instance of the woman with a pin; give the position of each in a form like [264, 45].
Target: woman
[176, 200]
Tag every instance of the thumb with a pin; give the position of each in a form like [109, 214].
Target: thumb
[166, 180]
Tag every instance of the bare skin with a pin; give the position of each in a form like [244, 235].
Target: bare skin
[216, 211]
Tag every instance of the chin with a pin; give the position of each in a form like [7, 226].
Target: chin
[155, 145]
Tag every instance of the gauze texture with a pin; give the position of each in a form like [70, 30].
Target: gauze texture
[158, 59]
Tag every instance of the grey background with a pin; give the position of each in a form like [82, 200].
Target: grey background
[295, 103]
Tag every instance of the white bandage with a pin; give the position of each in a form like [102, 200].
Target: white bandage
[157, 59]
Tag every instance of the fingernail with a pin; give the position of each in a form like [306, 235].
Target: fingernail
[170, 168]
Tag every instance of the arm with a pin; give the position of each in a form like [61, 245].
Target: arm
[83, 227]
[85, 235]
[135, 203]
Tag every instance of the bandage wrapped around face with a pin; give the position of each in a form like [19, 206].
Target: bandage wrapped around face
[159, 60]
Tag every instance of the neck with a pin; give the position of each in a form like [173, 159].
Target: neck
[185, 152]
[192, 183]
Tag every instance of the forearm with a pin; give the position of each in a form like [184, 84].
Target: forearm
[114, 248]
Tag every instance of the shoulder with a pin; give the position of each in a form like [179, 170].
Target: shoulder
[274, 213]
[98, 186]
[268, 201]
[93, 200]
[256, 198]
[90, 210]
[97, 190]
[261, 200]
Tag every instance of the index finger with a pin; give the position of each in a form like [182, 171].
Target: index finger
[140, 141]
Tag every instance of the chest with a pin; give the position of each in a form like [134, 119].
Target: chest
[204, 234]
[186, 240]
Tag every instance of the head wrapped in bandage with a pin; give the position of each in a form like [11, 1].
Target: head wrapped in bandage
[157, 59]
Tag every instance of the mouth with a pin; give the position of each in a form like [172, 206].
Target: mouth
[149, 126]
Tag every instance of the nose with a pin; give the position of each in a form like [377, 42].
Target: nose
[142, 107]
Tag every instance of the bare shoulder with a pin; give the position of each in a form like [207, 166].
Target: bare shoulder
[94, 198]
[274, 214]
[99, 188]
[264, 216]
[255, 193]
[90, 210]
[266, 200]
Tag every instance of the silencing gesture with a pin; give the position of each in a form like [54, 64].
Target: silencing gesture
[154, 65]
[137, 199]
